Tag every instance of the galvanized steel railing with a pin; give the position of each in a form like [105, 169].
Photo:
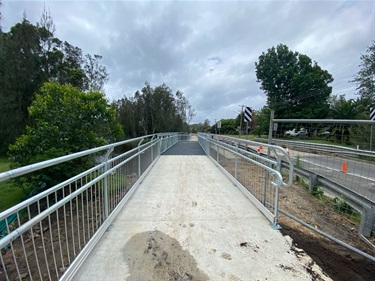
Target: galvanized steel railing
[50, 234]
[258, 177]
[255, 168]
[320, 147]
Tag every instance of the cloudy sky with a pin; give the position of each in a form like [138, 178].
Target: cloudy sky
[207, 49]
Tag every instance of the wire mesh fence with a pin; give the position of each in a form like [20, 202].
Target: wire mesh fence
[260, 178]
[335, 176]
[45, 234]
[342, 152]
[305, 199]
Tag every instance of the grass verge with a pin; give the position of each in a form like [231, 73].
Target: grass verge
[9, 195]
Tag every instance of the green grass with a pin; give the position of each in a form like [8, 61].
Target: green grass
[4, 164]
[250, 137]
[9, 195]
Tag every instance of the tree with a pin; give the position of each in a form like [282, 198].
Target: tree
[96, 74]
[228, 126]
[20, 78]
[154, 110]
[295, 86]
[184, 108]
[30, 55]
[342, 108]
[200, 127]
[365, 78]
[47, 29]
[262, 118]
[66, 120]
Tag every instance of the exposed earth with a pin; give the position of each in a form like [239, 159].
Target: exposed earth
[336, 261]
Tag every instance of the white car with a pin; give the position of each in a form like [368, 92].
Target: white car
[293, 133]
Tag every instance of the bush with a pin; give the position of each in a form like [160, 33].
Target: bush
[65, 120]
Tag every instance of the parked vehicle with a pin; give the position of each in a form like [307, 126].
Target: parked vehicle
[293, 133]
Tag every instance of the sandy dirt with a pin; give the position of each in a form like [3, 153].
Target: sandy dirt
[157, 256]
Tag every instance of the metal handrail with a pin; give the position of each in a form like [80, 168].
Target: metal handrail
[274, 150]
[41, 165]
[276, 183]
[104, 205]
[325, 121]
[279, 179]
[23, 228]
[321, 147]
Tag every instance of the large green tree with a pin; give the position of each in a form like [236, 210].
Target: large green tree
[295, 86]
[31, 55]
[66, 120]
[154, 110]
[20, 77]
[365, 78]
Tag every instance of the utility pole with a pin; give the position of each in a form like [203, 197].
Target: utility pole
[240, 131]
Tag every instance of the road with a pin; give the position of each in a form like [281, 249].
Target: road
[359, 176]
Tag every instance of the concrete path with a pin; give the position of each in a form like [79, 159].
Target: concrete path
[187, 221]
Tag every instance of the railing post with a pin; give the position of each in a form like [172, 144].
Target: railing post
[158, 146]
[313, 180]
[367, 222]
[208, 147]
[275, 224]
[105, 195]
[236, 164]
[266, 178]
[139, 158]
[217, 152]
[152, 149]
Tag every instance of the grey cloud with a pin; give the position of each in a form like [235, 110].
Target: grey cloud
[208, 49]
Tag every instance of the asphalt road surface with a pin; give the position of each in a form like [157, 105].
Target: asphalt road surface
[358, 176]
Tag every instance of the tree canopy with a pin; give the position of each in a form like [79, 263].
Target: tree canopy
[295, 86]
[66, 120]
[31, 55]
[154, 110]
[365, 78]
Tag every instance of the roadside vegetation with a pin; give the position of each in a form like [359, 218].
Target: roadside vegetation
[53, 103]
[9, 196]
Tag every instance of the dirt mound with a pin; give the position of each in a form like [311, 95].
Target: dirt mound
[157, 256]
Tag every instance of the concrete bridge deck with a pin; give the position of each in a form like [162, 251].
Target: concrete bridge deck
[187, 221]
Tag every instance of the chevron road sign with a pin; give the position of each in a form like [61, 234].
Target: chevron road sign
[372, 113]
[248, 114]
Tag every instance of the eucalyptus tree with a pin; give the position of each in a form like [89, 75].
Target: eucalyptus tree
[31, 55]
[20, 78]
[153, 110]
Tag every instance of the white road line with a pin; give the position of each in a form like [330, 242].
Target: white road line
[353, 174]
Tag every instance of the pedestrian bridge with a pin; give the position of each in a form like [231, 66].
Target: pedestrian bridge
[175, 207]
